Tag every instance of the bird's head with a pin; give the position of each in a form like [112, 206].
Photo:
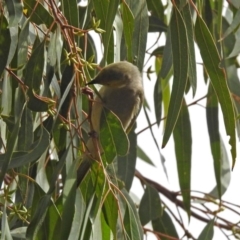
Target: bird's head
[117, 75]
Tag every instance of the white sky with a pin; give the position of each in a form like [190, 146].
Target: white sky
[203, 178]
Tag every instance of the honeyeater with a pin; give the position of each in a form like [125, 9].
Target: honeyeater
[121, 93]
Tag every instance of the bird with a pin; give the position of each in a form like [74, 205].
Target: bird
[122, 93]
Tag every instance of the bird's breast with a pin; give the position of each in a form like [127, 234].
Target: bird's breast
[124, 102]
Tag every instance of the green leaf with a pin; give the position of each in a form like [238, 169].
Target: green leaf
[36, 150]
[106, 11]
[5, 228]
[110, 211]
[183, 149]
[5, 42]
[19, 232]
[14, 8]
[45, 201]
[157, 25]
[158, 99]
[78, 215]
[213, 131]
[131, 220]
[33, 74]
[143, 156]
[35, 103]
[52, 222]
[165, 225]
[112, 136]
[180, 66]
[25, 136]
[69, 197]
[235, 3]
[35, 65]
[12, 55]
[167, 61]
[38, 14]
[211, 60]
[150, 206]
[139, 40]
[208, 231]
[105, 229]
[128, 27]
[86, 222]
[192, 72]
[11, 143]
[23, 46]
[38, 217]
[225, 173]
[127, 163]
[68, 77]
[70, 10]
[156, 8]
[234, 24]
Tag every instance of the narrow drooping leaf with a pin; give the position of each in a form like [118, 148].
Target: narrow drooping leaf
[150, 206]
[192, 71]
[156, 8]
[69, 197]
[5, 42]
[110, 212]
[180, 66]
[19, 232]
[38, 13]
[167, 61]
[52, 221]
[85, 230]
[127, 163]
[106, 231]
[45, 201]
[235, 23]
[128, 27]
[12, 55]
[70, 11]
[36, 150]
[15, 12]
[158, 98]
[183, 148]
[208, 232]
[164, 224]
[38, 217]
[23, 46]
[26, 131]
[34, 67]
[11, 144]
[213, 131]
[143, 156]
[211, 60]
[235, 3]
[225, 173]
[131, 220]
[5, 232]
[139, 40]
[78, 215]
[156, 25]
[106, 11]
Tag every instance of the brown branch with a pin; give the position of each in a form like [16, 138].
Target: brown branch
[172, 196]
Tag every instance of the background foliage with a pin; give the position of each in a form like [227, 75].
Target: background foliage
[48, 53]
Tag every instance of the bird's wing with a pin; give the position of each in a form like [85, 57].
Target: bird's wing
[136, 110]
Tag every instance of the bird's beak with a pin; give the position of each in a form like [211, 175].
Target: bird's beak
[94, 81]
